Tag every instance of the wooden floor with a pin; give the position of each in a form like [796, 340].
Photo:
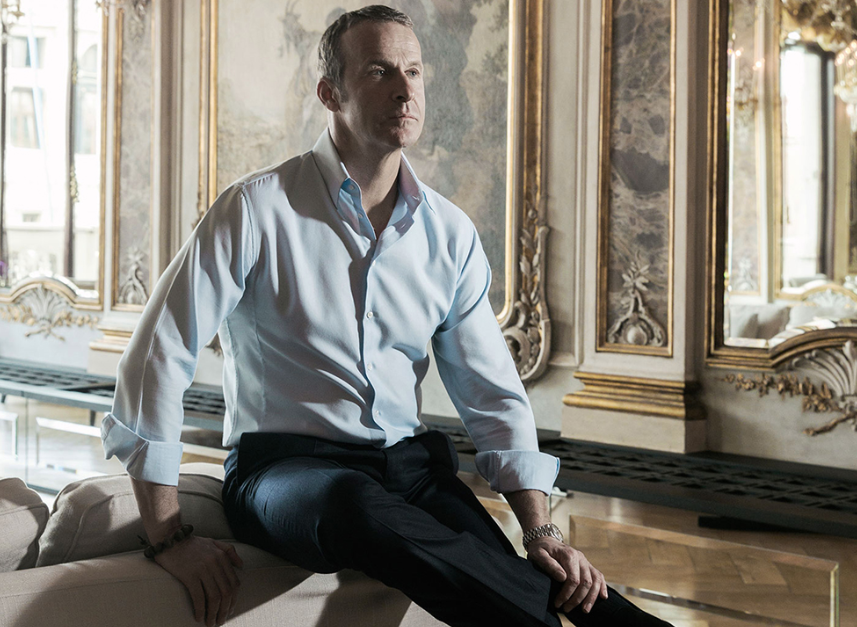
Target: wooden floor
[772, 583]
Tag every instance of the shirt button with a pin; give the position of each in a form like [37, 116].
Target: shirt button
[370, 314]
[370, 367]
[377, 413]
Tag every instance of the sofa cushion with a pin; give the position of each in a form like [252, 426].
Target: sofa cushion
[99, 516]
[23, 516]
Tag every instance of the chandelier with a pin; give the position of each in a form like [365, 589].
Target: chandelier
[832, 24]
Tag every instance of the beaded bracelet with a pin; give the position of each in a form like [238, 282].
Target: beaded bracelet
[154, 549]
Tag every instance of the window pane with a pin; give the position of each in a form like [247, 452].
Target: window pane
[36, 164]
[87, 142]
[23, 125]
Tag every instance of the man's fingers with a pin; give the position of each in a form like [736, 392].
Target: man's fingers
[227, 593]
[583, 587]
[231, 553]
[228, 569]
[594, 591]
[571, 564]
[197, 598]
[212, 600]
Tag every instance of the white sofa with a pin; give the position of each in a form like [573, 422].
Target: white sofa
[83, 566]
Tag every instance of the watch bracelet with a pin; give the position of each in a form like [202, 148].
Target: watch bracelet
[542, 531]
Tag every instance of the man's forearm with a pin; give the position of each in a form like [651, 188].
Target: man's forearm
[530, 507]
[159, 508]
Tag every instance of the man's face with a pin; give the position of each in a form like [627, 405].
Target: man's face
[382, 99]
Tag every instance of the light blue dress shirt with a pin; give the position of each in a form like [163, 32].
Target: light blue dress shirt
[325, 328]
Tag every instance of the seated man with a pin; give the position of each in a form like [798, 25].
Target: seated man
[328, 275]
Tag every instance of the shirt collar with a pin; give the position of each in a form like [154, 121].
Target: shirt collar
[335, 174]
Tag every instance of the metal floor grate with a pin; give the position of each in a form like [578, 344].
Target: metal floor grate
[790, 497]
[793, 495]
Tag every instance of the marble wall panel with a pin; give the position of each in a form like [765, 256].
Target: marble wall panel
[638, 239]
[132, 255]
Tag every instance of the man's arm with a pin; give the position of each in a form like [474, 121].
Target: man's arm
[206, 567]
[582, 582]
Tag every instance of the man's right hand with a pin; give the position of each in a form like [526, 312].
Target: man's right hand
[206, 567]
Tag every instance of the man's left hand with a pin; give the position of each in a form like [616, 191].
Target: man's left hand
[582, 582]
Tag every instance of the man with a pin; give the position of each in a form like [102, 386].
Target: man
[328, 275]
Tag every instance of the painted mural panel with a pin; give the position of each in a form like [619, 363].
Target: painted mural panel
[267, 110]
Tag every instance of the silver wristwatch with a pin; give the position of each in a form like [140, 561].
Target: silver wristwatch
[544, 531]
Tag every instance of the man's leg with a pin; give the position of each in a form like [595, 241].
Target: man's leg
[429, 538]
[324, 517]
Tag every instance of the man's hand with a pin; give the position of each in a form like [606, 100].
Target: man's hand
[582, 582]
[206, 567]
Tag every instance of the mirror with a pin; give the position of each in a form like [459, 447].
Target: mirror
[790, 195]
[51, 220]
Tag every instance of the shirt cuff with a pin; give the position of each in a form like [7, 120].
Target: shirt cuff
[509, 471]
[146, 460]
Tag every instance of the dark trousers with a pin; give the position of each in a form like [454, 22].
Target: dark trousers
[401, 516]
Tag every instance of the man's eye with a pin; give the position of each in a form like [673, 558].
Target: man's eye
[378, 72]
[413, 73]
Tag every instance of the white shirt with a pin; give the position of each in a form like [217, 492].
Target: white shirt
[324, 327]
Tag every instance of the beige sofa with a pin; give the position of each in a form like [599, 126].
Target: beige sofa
[82, 566]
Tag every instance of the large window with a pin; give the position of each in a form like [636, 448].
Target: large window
[51, 141]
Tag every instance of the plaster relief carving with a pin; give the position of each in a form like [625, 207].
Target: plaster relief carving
[133, 289]
[836, 367]
[528, 335]
[636, 326]
[45, 310]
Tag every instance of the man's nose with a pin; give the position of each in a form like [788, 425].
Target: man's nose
[404, 88]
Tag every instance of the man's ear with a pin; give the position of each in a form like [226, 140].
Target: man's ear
[328, 94]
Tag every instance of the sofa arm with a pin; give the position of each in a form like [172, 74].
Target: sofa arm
[129, 590]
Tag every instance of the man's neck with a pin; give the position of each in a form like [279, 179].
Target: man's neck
[377, 175]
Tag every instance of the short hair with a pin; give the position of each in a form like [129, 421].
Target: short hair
[331, 65]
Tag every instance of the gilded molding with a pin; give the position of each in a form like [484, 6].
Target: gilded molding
[524, 319]
[655, 397]
[836, 367]
[46, 307]
[114, 340]
[610, 337]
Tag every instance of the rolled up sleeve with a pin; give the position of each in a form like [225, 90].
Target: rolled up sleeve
[480, 376]
[200, 287]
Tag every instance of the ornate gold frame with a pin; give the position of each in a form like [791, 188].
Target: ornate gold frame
[524, 317]
[92, 300]
[604, 176]
[717, 353]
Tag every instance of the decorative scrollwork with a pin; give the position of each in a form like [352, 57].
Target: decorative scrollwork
[637, 326]
[837, 393]
[133, 289]
[45, 310]
[529, 334]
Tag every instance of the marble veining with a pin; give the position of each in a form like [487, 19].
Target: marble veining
[638, 230]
